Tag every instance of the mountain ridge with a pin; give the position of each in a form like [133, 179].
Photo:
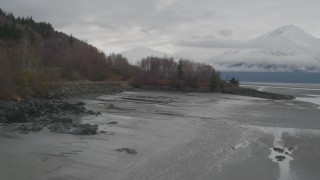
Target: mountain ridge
[287, 48]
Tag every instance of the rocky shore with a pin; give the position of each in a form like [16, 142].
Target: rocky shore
[54, 115]
[254, 93]
[73, 89]
[58, 116]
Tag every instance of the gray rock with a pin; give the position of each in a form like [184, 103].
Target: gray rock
[64, 120]
[280, 158]
[51, 113]
[59, 127]
[16, 117]
[280, 150]
[2, 120]
[112, 106]
[112, 122]
[90, 112]
[85, 129]
[2, 117]
[25, 128]
[127, 150]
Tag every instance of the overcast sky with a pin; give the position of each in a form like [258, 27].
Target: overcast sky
[168, 25]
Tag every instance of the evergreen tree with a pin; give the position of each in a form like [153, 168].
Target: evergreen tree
[71, 39]
[9, 31]
[215, 82]
[180, 72]
[2, 13]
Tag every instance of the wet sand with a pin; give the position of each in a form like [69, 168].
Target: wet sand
[176, 136]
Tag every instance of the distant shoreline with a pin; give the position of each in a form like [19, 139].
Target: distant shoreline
[274, 77]
[301, 86]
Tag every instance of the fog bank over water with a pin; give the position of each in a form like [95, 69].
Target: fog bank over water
[286, 77]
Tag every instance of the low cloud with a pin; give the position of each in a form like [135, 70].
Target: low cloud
[225, 32]
[215, 44]
[103, 23]
[266, 63]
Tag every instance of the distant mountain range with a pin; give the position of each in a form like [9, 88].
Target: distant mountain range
[286, 49]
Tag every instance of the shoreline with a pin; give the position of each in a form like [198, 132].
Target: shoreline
[40, 113]
[162, 135]
[255, 93]
[73, 100]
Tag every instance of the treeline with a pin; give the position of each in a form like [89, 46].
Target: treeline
[164, 71]
[9, 31]
[11, 27]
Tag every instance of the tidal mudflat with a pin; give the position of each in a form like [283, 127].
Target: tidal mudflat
[167, 135]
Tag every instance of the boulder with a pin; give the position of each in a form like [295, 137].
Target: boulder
[280, 150]
[280, 158]
[80, 103]
[2, 120]
[16, 117]
[59, 127]
[113, 107]
[85, 129]
[2, 116]
[65, 120]
[127, 150]
[90, 112]
[26, 128]
[112, 122]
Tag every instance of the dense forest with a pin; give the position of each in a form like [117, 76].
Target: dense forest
[34, 57]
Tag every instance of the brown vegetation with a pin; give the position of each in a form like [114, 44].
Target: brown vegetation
[166, 72]
[35, 57]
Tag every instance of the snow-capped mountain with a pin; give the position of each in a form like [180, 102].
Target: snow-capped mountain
[288, 48]
[136, 54]
[290, 39]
